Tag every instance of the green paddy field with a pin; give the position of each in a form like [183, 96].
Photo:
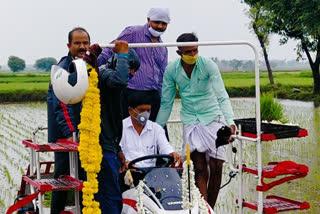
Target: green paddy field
[296, 85]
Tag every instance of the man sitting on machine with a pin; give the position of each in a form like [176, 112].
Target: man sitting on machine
[141, 136]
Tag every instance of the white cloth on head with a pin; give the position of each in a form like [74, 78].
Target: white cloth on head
[203, 139]
[151, 139]
[159, 14]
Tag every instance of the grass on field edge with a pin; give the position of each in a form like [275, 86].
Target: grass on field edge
[23, 96]
[302, 93]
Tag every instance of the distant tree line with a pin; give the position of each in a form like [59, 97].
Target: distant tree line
[248, 65]
[17, 64]
[45, 63]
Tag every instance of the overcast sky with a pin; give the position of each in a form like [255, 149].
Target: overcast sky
[38, 28]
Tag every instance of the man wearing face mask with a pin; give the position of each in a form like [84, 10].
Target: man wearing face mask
[153, 60]
[140, 136]
[205, 109]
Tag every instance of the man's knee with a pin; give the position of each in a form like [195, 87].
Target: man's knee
[199, 161]
[201, 167]
[216, 165]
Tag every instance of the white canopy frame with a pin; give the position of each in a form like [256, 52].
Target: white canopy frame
[257, 94]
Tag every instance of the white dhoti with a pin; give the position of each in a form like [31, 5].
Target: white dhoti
[203, 139]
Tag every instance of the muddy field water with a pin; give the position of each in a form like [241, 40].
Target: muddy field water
[18, 120]
[300, 150]
[16, 123]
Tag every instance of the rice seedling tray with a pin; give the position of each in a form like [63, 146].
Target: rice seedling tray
[269, 131]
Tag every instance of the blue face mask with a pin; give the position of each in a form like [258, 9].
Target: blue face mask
[142, 118]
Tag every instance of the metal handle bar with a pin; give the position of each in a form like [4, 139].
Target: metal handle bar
[257, 89]
[39, 129]
[184, 44]
[212, 43]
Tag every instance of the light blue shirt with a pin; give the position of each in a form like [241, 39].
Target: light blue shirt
[203, 96]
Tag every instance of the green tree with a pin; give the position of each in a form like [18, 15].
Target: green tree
[248, 65]
[235, 64]
[45, 63]
[16, 64]
[298, 20]
[261, 25]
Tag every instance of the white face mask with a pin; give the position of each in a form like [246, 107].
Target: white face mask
[154, 32]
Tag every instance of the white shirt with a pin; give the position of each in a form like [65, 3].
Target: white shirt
[151, 138]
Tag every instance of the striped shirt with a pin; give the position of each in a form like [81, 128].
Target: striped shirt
[153, 61]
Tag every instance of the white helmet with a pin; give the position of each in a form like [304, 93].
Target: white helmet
[65, 92]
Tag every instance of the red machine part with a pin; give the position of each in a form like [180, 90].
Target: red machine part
[274, 204]
[274, 169]
[59, 146]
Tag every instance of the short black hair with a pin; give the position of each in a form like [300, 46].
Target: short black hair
[76, 29]
[138, 98]
[187, 37]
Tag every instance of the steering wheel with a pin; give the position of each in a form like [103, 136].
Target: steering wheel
[168, 160]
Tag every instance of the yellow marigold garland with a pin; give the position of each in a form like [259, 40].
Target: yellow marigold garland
[89, 148]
